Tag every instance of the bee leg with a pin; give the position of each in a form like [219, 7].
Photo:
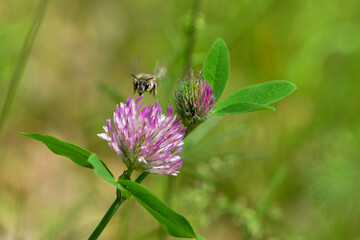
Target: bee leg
[140, 93]
[152, 91]
[155, 89]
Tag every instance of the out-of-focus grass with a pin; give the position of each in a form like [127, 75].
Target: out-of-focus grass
[314, 132]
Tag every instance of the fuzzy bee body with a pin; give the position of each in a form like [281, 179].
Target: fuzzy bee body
[144, 82]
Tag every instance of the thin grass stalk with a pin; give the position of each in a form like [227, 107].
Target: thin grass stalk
[190, 43]
[21, 64]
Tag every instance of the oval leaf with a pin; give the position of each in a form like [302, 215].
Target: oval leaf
[173, 223]
[255, 97]
[216, 68]
[77, 154]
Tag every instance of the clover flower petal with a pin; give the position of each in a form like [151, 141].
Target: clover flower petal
[146, 139]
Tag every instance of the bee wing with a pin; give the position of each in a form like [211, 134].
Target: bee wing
[159, 71]
[136, 64]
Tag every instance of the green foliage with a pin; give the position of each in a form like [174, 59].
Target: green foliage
[272, 190]
[255, 97]
[216, 68]
[243, 107]
[75, 153]
[102, 171]
[173, 223]
[79, 156]
[23, 58]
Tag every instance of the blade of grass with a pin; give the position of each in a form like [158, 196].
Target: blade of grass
[23, 58]
[148, 235]
[200, 132]
[126, 219]
[226, 156]
[275, 184]
[65, 220]
[220, 138]
[110, 93]
[191, 32]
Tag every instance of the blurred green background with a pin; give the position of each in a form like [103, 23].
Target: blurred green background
[293, 174]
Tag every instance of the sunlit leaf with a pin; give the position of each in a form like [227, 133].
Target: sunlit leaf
[216, 68]
[173, 223]
[243, 107]
[255, 97]
[77, 154]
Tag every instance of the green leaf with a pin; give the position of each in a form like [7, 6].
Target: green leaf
[77, 154]
[102, 171]
[173, 223]
[216, 68]
[241, 108]
[255, 97]
[201, 238]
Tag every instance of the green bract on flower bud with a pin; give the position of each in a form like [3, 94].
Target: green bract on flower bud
[194, 100]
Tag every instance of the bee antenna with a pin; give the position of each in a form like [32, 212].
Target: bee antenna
[149, 78]
[134, 76]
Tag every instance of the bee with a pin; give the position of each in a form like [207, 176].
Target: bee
[145, 82]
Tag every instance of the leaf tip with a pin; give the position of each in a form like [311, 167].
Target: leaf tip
[220, 39]
[291, 85]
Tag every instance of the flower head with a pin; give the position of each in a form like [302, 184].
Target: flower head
[146, 140]
[194, 100]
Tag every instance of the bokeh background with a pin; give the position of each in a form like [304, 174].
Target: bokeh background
[293, 174]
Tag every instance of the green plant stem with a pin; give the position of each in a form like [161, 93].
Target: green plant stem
[105, 220]
[127, 212]
[142, 176]
[115, 205]
[23, 58]
[113, 208]
[189, 129]
[189, 48]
